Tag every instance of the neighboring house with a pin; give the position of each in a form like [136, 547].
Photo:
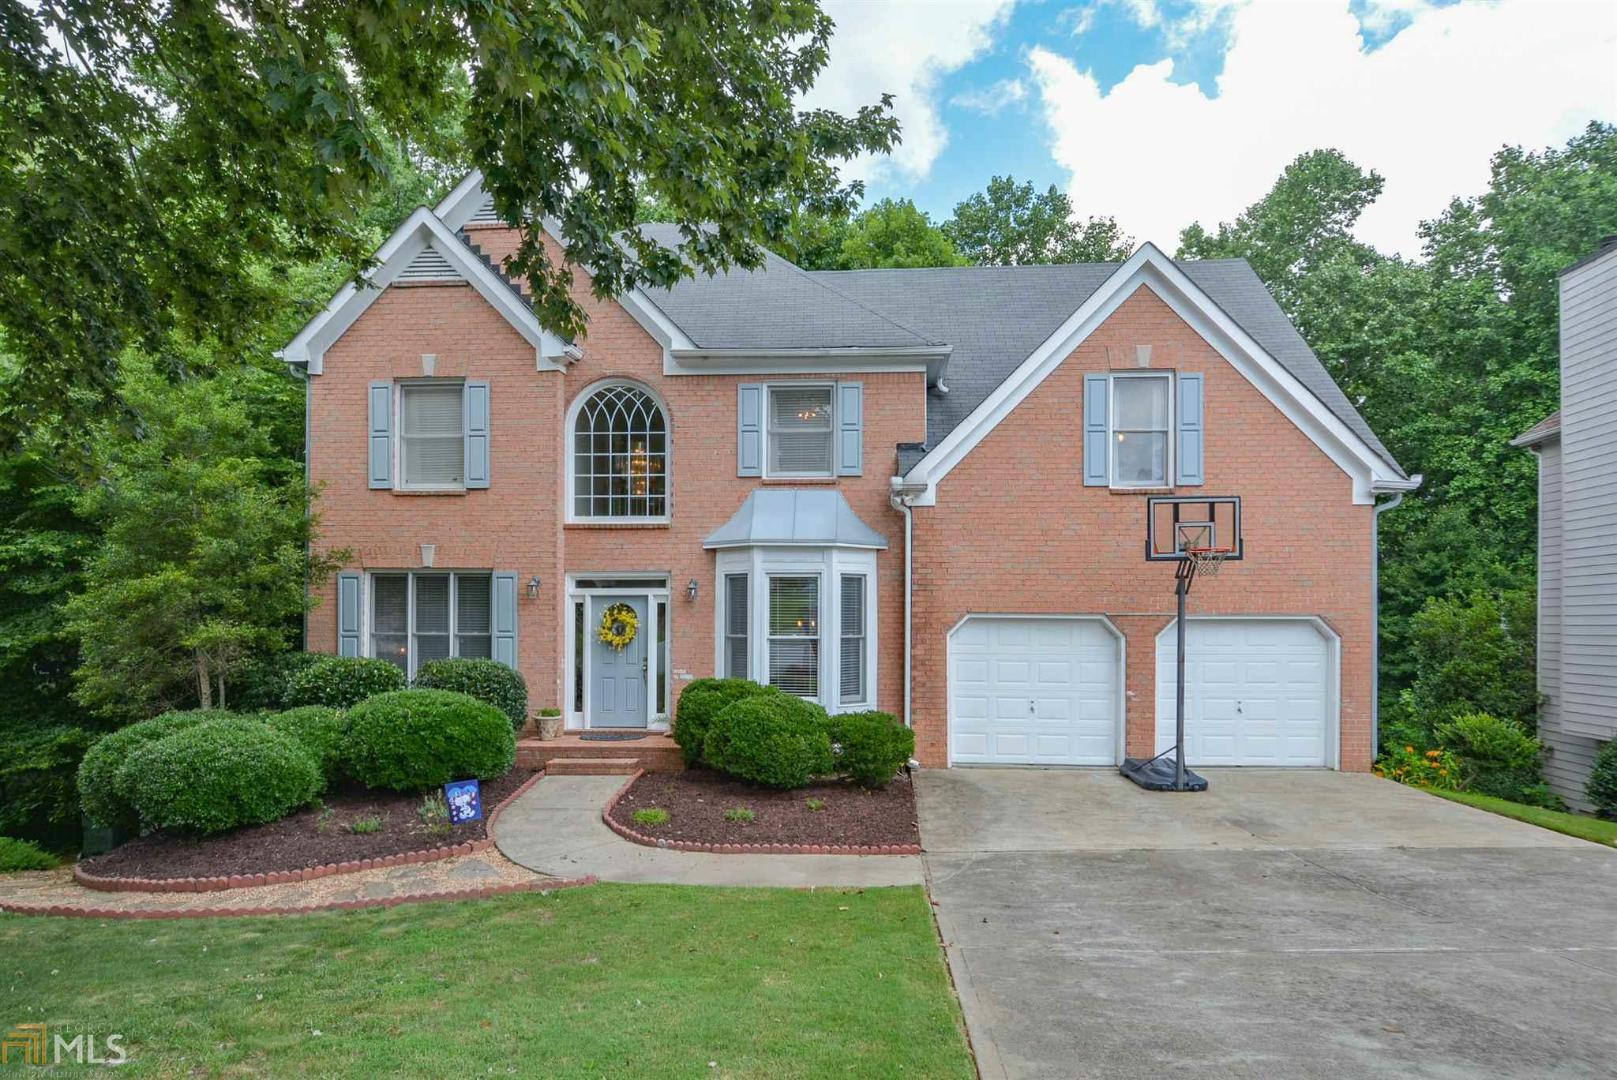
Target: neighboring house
[1577, 531]
[923, 491]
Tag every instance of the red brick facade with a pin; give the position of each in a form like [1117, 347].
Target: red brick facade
[1013, 530]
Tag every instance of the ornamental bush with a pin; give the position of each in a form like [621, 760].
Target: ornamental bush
[1602, 786]
[1420, 768]
[485, 680]
[262, 684]
[1497, 757]
[320, 730]
[772, 739]
[869, 747]
[700, 702]
[22, 855]
[410, 740]
[342, 681]
[105, 784]
[222, 774]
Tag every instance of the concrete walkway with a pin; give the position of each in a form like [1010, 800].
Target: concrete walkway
[556, 828]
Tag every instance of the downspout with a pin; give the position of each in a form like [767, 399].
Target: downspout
[1375, 622]
[301, 373]
[901, 503]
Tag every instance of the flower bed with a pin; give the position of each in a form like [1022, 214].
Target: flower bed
[705, 813]
[310, 843]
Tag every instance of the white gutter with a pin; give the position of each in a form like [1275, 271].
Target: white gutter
[905, 489]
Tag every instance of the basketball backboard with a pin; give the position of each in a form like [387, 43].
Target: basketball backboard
[1178, 524]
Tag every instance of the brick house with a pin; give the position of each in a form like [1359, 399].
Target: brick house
[923, 491]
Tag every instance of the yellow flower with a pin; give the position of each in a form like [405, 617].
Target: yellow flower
[1409, 749]
[1434, 753]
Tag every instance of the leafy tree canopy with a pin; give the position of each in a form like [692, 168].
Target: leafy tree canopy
[894, 234]
[1011, 224]
[155, 153]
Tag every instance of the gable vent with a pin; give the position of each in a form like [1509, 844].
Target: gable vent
[430, 265]
[485, 214]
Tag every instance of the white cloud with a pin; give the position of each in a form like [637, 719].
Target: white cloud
[992, 99]
[905, 48]
[1426, 110]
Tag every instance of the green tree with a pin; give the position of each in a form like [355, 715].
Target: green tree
[1011, 224]
[153, 153]
[202, 557]
[1475, 654]
[892, 233]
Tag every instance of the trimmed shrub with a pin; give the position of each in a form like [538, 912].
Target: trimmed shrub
[410, 740]
[222, 774]
[21, 855]
[771, 739]
[700, 702]
[870, 747]
[485, 680]
[1497, 757]
[320, 730]
[1602, 786]
[106, 786]
[263, 683]
[341, 681]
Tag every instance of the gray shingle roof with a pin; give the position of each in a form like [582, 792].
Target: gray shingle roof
[1543, 431]
[995, 316]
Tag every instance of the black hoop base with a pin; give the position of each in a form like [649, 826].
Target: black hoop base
[1157, 774]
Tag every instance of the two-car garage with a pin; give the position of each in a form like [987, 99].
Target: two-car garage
[1048, 690]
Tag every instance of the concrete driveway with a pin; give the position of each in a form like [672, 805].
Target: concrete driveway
[1282, 924]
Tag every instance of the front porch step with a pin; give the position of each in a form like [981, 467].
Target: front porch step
[654, 753]
[590, 766]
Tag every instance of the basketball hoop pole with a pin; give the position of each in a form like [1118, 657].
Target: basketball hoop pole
[1182, 581]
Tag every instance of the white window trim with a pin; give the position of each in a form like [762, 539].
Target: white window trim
[569, 435]
[820, 623]
[1172, 431]
[367, 619]
[830, 565]
[655, 591]
[831, 433]
[399, 388]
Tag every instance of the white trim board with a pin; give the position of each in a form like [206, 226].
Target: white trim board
[421, 229]
[1149, 267]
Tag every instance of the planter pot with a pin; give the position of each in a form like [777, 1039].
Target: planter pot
[549, 727]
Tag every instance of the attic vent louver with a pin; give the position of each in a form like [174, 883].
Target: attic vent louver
[430, 265]
[484, 215]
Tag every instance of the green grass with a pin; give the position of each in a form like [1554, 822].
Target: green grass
[616, 980]
[1579, 825]
[650, 815]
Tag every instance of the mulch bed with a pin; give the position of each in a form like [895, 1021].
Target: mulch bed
[697, 799]
[309, 838]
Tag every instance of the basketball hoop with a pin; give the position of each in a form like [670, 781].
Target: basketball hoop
[1207, 561]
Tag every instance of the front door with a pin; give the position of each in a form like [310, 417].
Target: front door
[617, 686]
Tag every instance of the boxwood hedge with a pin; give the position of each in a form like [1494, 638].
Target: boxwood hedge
[485, 680]
[341, 681]
[771, 739]
[105, 784]
[410, 740]
[222, 774]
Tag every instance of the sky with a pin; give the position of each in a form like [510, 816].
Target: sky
[1165, 112]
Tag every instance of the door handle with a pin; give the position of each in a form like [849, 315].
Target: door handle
[642, 665]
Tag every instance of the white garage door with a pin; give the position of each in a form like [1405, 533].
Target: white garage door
[1028, 691]
[1256, 692]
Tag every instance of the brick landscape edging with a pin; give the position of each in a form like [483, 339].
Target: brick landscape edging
[741, 849]
[71, 911]
[288, 877]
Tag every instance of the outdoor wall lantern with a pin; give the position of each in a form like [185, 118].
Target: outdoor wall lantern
[533, 587]
[690, 590]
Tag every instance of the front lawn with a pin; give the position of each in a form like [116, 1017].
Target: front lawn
[619, 980]
[1579, 825]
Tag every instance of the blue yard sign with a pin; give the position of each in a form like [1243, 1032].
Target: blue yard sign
[465, 800]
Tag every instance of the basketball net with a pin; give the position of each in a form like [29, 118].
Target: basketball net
[1207, 561]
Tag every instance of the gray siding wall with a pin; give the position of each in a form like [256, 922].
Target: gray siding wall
[1588, 571]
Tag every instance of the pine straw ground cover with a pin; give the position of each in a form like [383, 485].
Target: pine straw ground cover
[610, 980]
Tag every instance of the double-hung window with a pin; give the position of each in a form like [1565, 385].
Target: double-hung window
[851, 666]
[1142, 430]
[418, 617]
[801, 435]
[432, 437]
[735, 626]
[794, 634]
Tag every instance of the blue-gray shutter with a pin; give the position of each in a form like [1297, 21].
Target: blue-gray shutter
[505, 617]
[850, 429]
[475, 410]
[750, 429]
[381, 430]
[1190, 429]
[1096, 398]
[350, 608]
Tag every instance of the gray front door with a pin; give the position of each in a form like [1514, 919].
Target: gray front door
[617, 691]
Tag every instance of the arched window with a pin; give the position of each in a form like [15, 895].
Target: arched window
[620, 455]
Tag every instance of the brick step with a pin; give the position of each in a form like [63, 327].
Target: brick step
[584, 766]
[655, 753]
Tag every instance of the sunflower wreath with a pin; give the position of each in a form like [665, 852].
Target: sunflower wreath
[619, 624]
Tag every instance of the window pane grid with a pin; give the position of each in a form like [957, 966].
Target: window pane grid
[794, 635]
[417, 618]
[620, 456]
[800, 430]
[851, 665]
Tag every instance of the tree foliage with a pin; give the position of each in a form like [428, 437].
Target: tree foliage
[150, 149]
[1011, 224]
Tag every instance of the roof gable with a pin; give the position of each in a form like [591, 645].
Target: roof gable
[423, 250]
